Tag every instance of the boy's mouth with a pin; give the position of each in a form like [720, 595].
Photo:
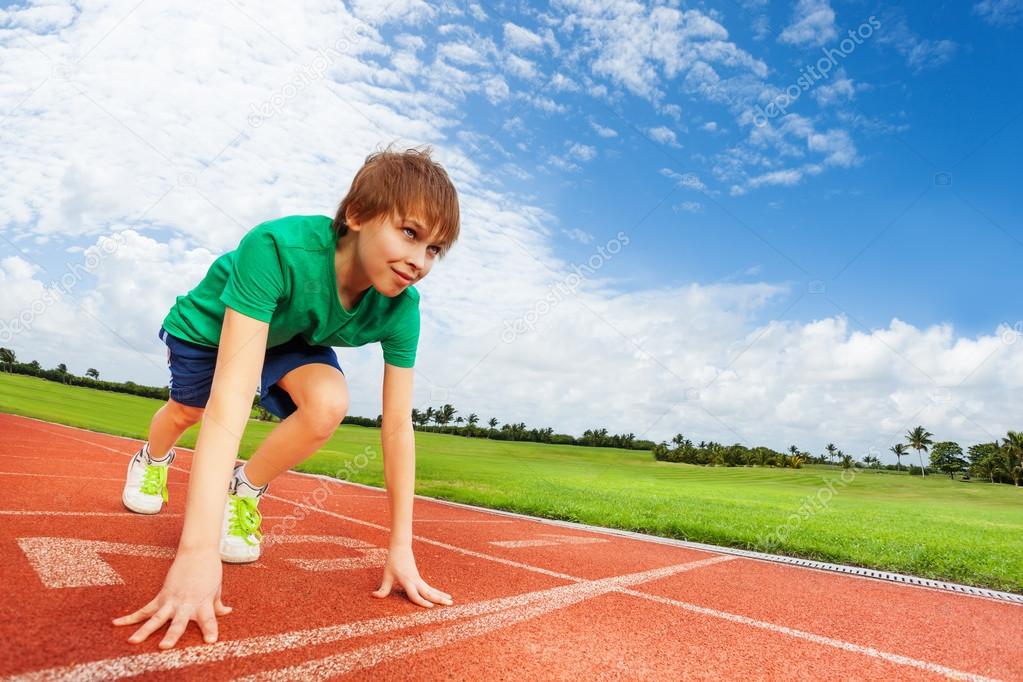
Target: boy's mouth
[405, 278]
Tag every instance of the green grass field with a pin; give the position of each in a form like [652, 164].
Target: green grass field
[967, 532]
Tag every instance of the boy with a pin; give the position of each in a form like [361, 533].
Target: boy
[267, 315]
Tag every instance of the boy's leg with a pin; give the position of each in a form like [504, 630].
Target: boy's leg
[169, 422]
[320, 392]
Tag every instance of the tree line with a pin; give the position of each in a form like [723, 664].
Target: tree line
[999, 461]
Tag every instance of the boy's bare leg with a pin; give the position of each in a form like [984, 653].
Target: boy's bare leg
[290, 443]
[167, 425]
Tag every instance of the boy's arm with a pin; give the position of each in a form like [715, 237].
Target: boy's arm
[192, 588]
[235, 379]
[398, 441]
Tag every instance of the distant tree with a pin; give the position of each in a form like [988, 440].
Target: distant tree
[846, 461]
[918, 439]
[62, 368]
[948, 457]
[899, 450]
[1011, 461]
[7, 359]
[91, 372]
[832, 450]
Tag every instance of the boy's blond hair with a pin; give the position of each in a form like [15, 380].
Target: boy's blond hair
[406, 184]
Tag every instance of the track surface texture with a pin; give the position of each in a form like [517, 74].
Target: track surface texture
[532, 600]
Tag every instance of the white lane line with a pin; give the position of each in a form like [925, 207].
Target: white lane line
[528, 608]
[461, 521]
[898, 659]
[553, 540]
[29, 512]
[174, 659]
[60, 475]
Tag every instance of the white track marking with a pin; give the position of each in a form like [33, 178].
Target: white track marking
[556, 598]
[73, 562]
[372, 556]
[554, 541]
[28, 512]
[78, 478]
[529, 607]
[461, 521]
[175, 659]
[66, 562]
[817, 639]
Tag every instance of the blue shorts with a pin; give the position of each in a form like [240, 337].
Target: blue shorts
[192, 365]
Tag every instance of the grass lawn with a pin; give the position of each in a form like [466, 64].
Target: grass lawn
[966, 532]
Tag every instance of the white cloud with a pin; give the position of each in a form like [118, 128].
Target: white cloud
[522, 68]
[1000, 12]
[920, 53]
[583, 152]
[813, 24]
[519, 38]
[579, 235]
[634, 45]
[603, 131]
[664, 135]
[689, 207]
[839, 90]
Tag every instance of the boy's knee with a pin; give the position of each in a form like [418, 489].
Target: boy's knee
[185, 414]
[325, 415]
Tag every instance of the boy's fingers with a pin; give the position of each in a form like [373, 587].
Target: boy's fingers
[208, 625]
[413, 594]
[177, 627]
[154, 623]
[385, 586]
[138, 616]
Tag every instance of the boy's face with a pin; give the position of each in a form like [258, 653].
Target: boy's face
[395, 253]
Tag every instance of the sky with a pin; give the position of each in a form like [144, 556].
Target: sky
[762, 222]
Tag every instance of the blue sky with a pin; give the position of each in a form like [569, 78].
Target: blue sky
[930, 252]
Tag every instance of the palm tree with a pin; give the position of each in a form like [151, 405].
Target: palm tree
[1012, 459]
[92, 372]
[899, 450]
[794, 450]
[832, 450]
[919, 438]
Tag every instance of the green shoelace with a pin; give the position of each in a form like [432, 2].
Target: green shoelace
[154, 481]
[245, 518]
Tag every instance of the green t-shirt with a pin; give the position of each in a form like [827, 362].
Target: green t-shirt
[283, 273]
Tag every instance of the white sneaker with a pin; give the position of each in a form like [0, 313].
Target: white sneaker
[145, 489]
[240, 537]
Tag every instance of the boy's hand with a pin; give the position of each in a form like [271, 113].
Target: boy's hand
[190, 592]
[401, 567]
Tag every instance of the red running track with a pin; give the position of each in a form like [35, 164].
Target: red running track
[532, 600]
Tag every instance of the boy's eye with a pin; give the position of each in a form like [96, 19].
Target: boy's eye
[436, 250]
[409, 229]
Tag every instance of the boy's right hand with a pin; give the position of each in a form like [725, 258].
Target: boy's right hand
[190, 592]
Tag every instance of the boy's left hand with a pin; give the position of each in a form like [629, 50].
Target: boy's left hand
[401, 567]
